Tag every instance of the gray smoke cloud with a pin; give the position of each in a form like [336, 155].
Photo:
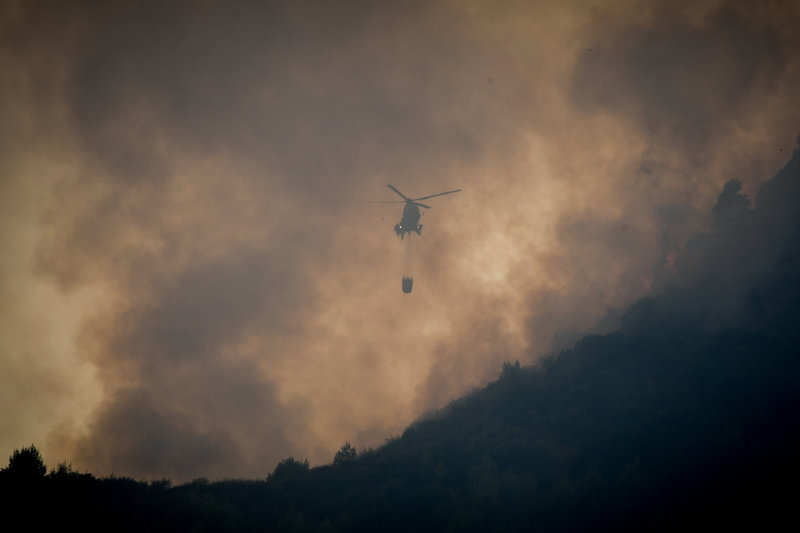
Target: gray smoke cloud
[195, 265]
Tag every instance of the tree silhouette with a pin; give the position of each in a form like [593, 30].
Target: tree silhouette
[26, 464]
[346, 454]
[510, 370]
[288, 468]
[730, 203]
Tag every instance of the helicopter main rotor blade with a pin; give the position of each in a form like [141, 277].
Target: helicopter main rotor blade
[421, 205]
[434, 195]
[406, 198]
[389, 202]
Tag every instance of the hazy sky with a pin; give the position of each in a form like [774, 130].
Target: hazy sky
[192, 280]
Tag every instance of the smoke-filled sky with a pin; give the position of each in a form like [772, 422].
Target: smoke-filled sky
[193, 281]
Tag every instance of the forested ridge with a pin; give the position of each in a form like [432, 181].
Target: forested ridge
[683, 416]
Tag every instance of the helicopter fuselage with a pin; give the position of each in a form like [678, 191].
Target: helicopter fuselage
[411, 213]
[410, 220]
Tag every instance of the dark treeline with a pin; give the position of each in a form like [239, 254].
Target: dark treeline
[683, 417]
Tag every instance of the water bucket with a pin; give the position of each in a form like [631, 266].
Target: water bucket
[407, 283]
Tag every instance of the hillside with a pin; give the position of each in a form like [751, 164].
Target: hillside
[683, 416]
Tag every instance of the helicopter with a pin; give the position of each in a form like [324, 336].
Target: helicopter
[411, 213]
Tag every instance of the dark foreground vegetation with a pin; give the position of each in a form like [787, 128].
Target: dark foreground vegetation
[685, 417]
[619, 432]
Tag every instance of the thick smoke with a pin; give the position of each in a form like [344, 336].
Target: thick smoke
[199, 264]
